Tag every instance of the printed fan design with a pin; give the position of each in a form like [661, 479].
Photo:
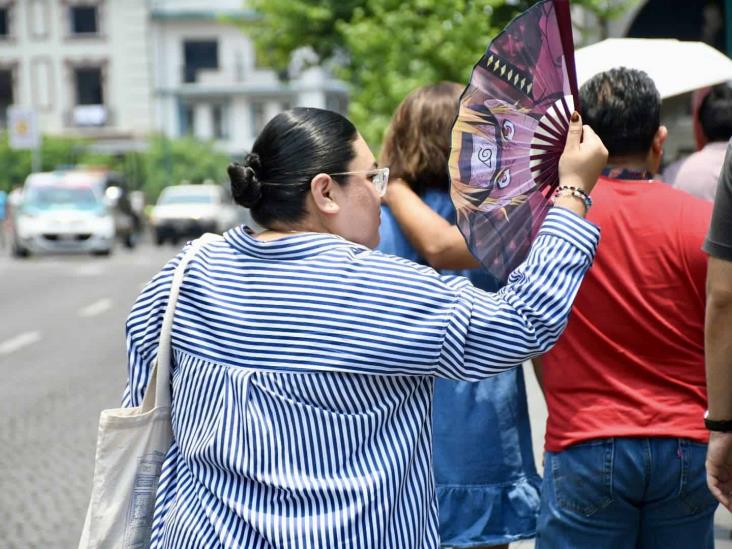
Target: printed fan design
[509, 135]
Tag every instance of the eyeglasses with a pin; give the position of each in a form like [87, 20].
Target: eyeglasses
[379, 177]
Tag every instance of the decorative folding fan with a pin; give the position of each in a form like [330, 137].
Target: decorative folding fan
[509, 134]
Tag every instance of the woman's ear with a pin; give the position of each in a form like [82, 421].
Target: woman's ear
[324, 191]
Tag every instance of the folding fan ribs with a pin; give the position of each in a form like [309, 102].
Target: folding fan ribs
[509, 135]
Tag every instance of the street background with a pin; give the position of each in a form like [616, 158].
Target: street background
[62, 356]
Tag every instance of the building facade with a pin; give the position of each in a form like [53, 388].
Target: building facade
[116, 71]
[81, 65]
[208, 83]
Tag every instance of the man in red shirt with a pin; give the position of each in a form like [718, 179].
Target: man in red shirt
[625, 388]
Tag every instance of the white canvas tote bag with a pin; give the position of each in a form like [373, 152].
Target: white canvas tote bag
[131, 446]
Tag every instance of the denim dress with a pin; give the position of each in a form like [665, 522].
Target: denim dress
[487, 486]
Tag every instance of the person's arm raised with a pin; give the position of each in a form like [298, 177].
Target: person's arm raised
[441, 243]
[491, 332]
[581, 162]
[434, 238]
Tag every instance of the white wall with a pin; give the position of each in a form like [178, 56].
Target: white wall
[122, 45]
[237, 83]
[197, 5]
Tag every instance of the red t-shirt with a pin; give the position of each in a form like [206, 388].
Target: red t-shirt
[631, 362]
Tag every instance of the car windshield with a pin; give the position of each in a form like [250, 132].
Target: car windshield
[168, 198]
[60, 197]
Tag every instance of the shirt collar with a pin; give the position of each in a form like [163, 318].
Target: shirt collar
[294, 246]
[628, 174]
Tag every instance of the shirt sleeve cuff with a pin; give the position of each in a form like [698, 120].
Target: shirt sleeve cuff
[715, 249]
[568, 226]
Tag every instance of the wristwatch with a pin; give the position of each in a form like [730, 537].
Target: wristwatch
[721, 425]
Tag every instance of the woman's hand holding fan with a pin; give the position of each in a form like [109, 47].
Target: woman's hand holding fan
[510, 132]
[581, 163]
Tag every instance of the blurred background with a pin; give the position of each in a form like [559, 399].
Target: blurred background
[117, 121]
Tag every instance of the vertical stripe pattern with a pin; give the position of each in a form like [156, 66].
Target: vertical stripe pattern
[302, 382]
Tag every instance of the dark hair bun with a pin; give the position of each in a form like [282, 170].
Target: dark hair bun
[245, 187]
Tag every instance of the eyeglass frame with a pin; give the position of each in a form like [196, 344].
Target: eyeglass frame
[382, 173]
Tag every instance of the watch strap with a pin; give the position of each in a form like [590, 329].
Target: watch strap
[721, 425]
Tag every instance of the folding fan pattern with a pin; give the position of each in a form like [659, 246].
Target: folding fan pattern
[509, 134]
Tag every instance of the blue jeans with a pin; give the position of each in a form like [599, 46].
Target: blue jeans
[636, 493]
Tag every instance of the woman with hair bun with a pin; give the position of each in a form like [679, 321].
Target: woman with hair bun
[488, 490]
[304, 361]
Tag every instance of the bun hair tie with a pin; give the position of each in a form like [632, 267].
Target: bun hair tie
[245, 185]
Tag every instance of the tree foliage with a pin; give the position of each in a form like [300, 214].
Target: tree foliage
[389, 47]
[165, 162]
[15, 165]
[171, 161]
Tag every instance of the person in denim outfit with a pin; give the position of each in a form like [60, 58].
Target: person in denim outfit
[625, 389]
[486, 481]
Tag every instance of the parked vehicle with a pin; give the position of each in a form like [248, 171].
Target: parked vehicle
[57, 216]
[118, 197]
[191, 210]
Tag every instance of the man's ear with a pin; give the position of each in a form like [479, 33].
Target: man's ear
[324, 191]
[659, 139]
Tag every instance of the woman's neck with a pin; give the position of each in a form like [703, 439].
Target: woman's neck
[281, 230]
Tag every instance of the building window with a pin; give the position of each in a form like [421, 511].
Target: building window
[258, 120]
[6, 94]
[218, 122]
[84, 19]
[89, 88]
[197, 55]
[4, 22]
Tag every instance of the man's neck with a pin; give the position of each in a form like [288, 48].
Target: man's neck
[632, 163]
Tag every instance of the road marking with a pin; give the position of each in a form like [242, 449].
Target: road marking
[19, 341]
[96, 308]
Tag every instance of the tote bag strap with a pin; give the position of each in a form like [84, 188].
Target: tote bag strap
[159, 384]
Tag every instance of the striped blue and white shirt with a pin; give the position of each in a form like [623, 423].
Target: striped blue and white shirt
[302, 382]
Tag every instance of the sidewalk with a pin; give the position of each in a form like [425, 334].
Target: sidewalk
[537, 413]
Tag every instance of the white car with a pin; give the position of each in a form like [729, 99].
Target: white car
[54, 216]
[188, 211]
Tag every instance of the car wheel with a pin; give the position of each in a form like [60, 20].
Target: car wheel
[19, 251]
[102, 253]
[131, 239]
[159, 238]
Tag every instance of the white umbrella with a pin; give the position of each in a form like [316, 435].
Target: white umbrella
[675, 66]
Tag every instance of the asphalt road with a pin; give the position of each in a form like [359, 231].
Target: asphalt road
[62, 360]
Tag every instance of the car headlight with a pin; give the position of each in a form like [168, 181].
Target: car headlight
[104, 225]
[27, 226]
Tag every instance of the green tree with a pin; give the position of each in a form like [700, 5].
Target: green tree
[15, 165]
[165, 162]
[389, 47]
[171, 161]
[604, 12]
[396, 46]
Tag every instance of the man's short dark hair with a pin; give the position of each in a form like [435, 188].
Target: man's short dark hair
[623, 106]
[715, 114]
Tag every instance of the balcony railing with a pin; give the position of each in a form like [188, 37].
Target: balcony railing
[224, 74]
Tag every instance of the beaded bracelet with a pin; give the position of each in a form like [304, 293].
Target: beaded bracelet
[566, 190]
